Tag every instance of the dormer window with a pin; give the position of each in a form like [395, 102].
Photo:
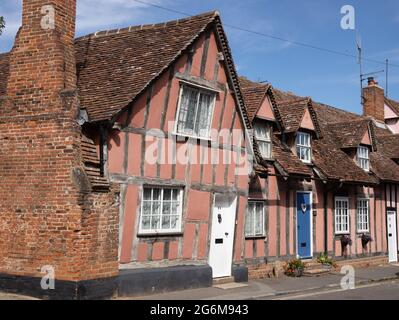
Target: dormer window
[303, 147]
[363, 159]
[263, 137]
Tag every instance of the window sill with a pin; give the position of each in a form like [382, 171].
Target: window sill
[339, 234]
[159, 234]
[187, 136]
[255, 237]
[361, 232]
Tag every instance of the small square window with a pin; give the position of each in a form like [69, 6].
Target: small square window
[161, 210]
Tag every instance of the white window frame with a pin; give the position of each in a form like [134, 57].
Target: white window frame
[212, 111]
[363, 159]
[300, 146]
[178, 228]
[264, 140]
[252, 234]
[363, 215]
[338, 216]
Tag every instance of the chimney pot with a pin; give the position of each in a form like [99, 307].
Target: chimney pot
[371, 81]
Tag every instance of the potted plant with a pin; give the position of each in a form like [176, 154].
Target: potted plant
[294, 268]
[366, 238]
[345, 241]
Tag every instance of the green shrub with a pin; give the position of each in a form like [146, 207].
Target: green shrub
[324, 259]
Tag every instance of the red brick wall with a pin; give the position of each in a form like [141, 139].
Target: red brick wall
[374, 102]
[49, 216]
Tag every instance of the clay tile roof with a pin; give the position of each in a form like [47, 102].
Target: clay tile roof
[394, 105]
[327, 156]
[4, 72]
[388, 144]
[115, 66]
[336, 164]
[254, 94]
[384, 167]
[292, 112]
[288, 161]
[349, 134]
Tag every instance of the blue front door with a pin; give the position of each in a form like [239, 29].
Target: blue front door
[304, 231]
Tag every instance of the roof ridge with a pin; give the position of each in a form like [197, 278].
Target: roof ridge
[335, 108]
[361, 119]
[160, 25]
[293, 101]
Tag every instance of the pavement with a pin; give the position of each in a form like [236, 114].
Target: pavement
[276, 288]
[384, 290]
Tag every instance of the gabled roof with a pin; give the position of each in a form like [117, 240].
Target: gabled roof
[292, 112]
[394, 105]
[349, 134]
[4, 72]
[328, 158]
[114, 67]
[254, 95]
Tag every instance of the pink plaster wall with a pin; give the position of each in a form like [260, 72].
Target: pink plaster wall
[116, 142]
[212, 58]
[393, 125]
[366, 138]
[389, 113]
[157, 102]
[157, 251]
[239, 241]
[134, 159]
[265, 111]
[203, 241]
[129, 223]
[283, 225]
[272, 205]
[198, 203]
[307, 122]
[319, 206]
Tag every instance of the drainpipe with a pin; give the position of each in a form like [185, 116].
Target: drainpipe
[103, 152]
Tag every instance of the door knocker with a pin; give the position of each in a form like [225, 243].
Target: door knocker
[303, 207]
[219, 218]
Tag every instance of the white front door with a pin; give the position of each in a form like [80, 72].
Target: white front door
[392, 237]
[222, 235]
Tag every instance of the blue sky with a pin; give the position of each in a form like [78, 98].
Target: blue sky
[326, 77]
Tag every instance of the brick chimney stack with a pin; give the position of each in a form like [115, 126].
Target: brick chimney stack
[42, 60]
[373, 100]
[50, 215]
